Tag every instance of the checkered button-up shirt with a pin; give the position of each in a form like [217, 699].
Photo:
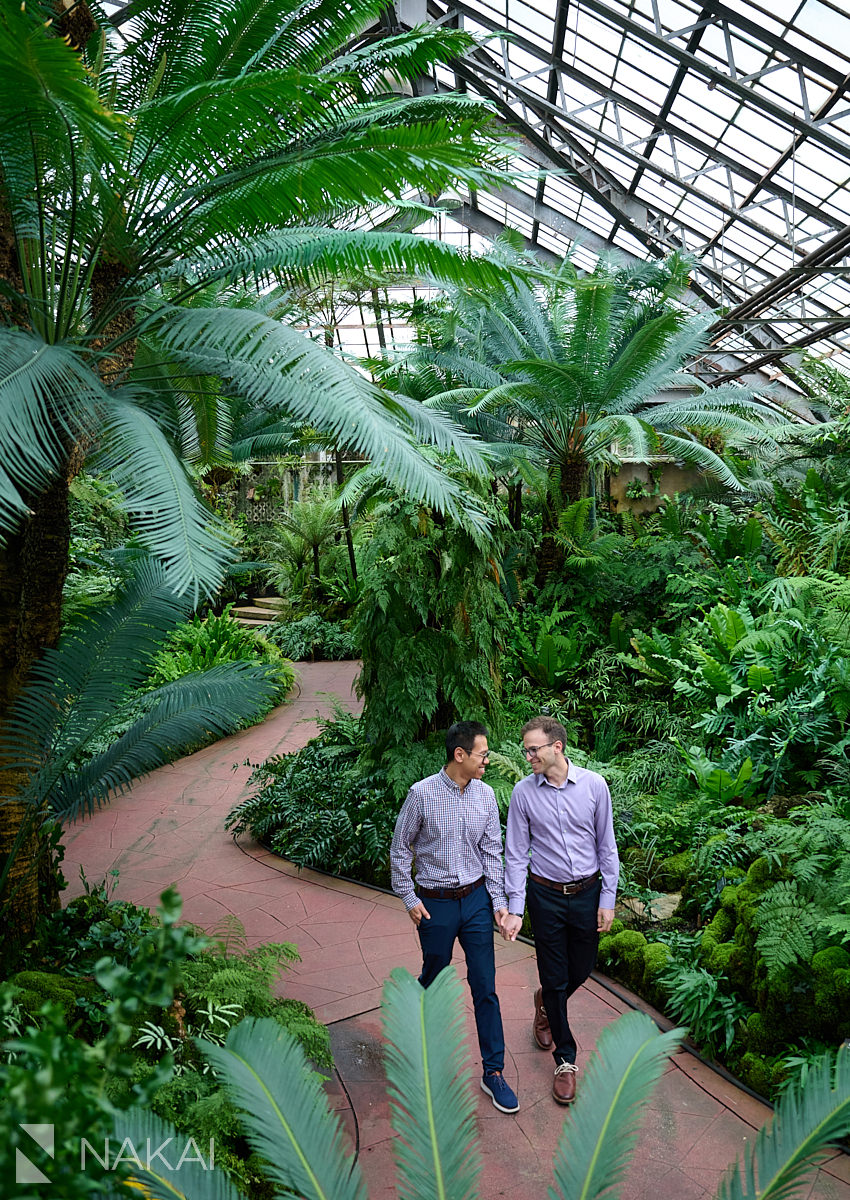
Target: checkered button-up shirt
[454, 837]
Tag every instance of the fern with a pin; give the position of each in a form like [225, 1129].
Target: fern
[786, 922]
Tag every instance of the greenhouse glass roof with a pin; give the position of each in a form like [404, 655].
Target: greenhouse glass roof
[719, 129]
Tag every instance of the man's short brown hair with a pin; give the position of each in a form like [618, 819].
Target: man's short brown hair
[552, 729]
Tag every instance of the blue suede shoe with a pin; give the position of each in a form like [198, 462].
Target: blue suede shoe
[493, 1083]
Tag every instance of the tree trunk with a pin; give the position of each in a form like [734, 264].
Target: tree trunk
[33, 566]
[346, 523]
[573, 483]
[515, 506]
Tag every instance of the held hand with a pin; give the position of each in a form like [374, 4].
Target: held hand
[500, 914]
[417, 913]
[511, 927]
[604, 918]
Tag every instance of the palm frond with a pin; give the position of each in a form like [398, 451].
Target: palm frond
[808, 1122]
[600, 1131]
[158, 1175]
[48, 400]
[192, 709]
[160, 499]
[311, 255]
[408, 55]
[102, 655]
[284, 1111]
[700, 456]
[641, 353]
[430, 1100]
[269, 363]
[44, 78]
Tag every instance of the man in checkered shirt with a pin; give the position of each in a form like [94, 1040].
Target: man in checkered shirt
[449, 826]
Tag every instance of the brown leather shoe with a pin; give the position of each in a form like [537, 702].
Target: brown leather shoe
[540, 1028]
[564, 1084]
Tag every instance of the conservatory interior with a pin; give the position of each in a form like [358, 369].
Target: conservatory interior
[368, 368]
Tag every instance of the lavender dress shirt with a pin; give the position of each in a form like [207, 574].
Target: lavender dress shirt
[568, 830]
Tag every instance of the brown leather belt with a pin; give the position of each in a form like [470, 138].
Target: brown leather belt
[566, 889]
[449, 893]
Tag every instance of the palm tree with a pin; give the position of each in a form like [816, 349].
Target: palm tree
[289, 1126]
[194, 150]
[561, 373]
[311, 523]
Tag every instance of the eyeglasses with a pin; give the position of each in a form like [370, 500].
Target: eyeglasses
[484, 755]
[533, 751]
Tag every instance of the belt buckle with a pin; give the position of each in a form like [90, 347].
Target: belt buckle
[565, 889]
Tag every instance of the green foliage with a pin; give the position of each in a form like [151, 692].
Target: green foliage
[809, 527]
[161, 991]
[770, 689]
[548, 653]
[698, 999]
[312, 639]
[718, 784]
[199, 645]
[98, 524]
[324, 806]
[74, 691]
[427, 626]
[92, 926]
[138, 262]
[50, 1076]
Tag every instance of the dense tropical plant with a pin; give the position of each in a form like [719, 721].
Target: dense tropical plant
[49, 1076]
[199, 645]
[121, 235]
[427, 624]
[312, 638]
[767, 685]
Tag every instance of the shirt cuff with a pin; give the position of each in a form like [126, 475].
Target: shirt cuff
[499, 902]
[607, 899]
[411, 900]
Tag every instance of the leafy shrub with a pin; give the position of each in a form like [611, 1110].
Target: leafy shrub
[199, 645]
[98, 524]
[427, 626]
[699, 1000]
[159, 990]
[325, 805]
[312, 639]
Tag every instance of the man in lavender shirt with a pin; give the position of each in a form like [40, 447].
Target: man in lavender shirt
[561, 816]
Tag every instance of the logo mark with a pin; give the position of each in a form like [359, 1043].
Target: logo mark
[25, 1170]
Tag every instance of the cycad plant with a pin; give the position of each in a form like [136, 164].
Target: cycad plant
[144, 172]
[564, 374]
[287, 1121]
[72, 699]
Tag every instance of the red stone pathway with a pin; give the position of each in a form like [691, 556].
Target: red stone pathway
[169, 829]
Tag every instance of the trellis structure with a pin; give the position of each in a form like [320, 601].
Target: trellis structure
[719, 129]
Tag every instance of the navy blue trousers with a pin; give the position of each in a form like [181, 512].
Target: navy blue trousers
[565, 942]
[470, 920]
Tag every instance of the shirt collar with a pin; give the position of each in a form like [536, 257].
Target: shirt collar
[572, 776]
[450, 783]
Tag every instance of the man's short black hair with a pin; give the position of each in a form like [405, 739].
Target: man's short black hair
[463, 734]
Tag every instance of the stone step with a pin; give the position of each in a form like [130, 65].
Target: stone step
[254, 612]
[268, 601]
[251, 623]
